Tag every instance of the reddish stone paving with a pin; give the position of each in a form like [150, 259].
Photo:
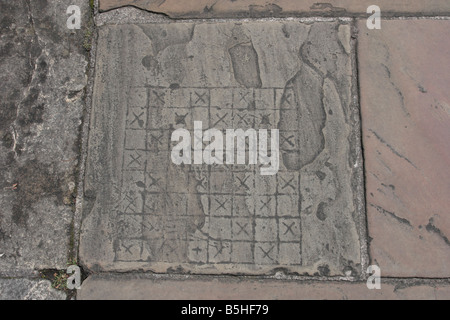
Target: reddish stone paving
[255, 8]
[136, 288]
[405, 101]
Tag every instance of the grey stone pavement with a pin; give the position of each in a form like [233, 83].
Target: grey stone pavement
[359, 178]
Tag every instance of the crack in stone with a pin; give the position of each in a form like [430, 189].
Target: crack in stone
[397, 90]
[430, 227]
[392, 214]
[392, 149]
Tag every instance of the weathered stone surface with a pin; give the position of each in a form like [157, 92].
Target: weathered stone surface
[277, 8]
[25, 289]
[42, 76]
[406, 133]
[141, 211]
[160, 288]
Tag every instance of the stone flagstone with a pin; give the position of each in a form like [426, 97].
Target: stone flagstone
[43, 78]
[404, 72]
[278, 8]
[29, 289]
[143, 212]
[164, 288]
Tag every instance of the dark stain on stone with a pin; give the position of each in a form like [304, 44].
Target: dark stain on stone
[392, 214]
[303, 95]
[160, 42]
[394, 151]
[96, 268]
[31, 97]
[178, 269]
[207, 9]
[396, 88]
[320, 214]
[349, 270]
[34, 182]
[324, 270]
[8, 140]
[2, 235]
[392, 187]
[150, 63]
[321, 56]
[41, 3]
[6, 49]
[10, 158]
[268, 9]
[72, 94]
[47, 25]
[173, 64]
[251, 105]
[430, 227]
[174, 47]
[31, 112]
[320, 175]
[6, 22]
[302, 104]
[42, 69]
[244, 59]
[8, 112]
[325, 6]
[20, 99]
[285, 31]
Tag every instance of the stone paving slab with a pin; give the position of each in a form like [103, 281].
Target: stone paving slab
[43, 69]
[405, 102]
[26, 289]
[141, 211]
[277, 8]
[158, 288]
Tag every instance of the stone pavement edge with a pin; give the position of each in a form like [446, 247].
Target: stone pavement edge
[278, 8]
[43, 70]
